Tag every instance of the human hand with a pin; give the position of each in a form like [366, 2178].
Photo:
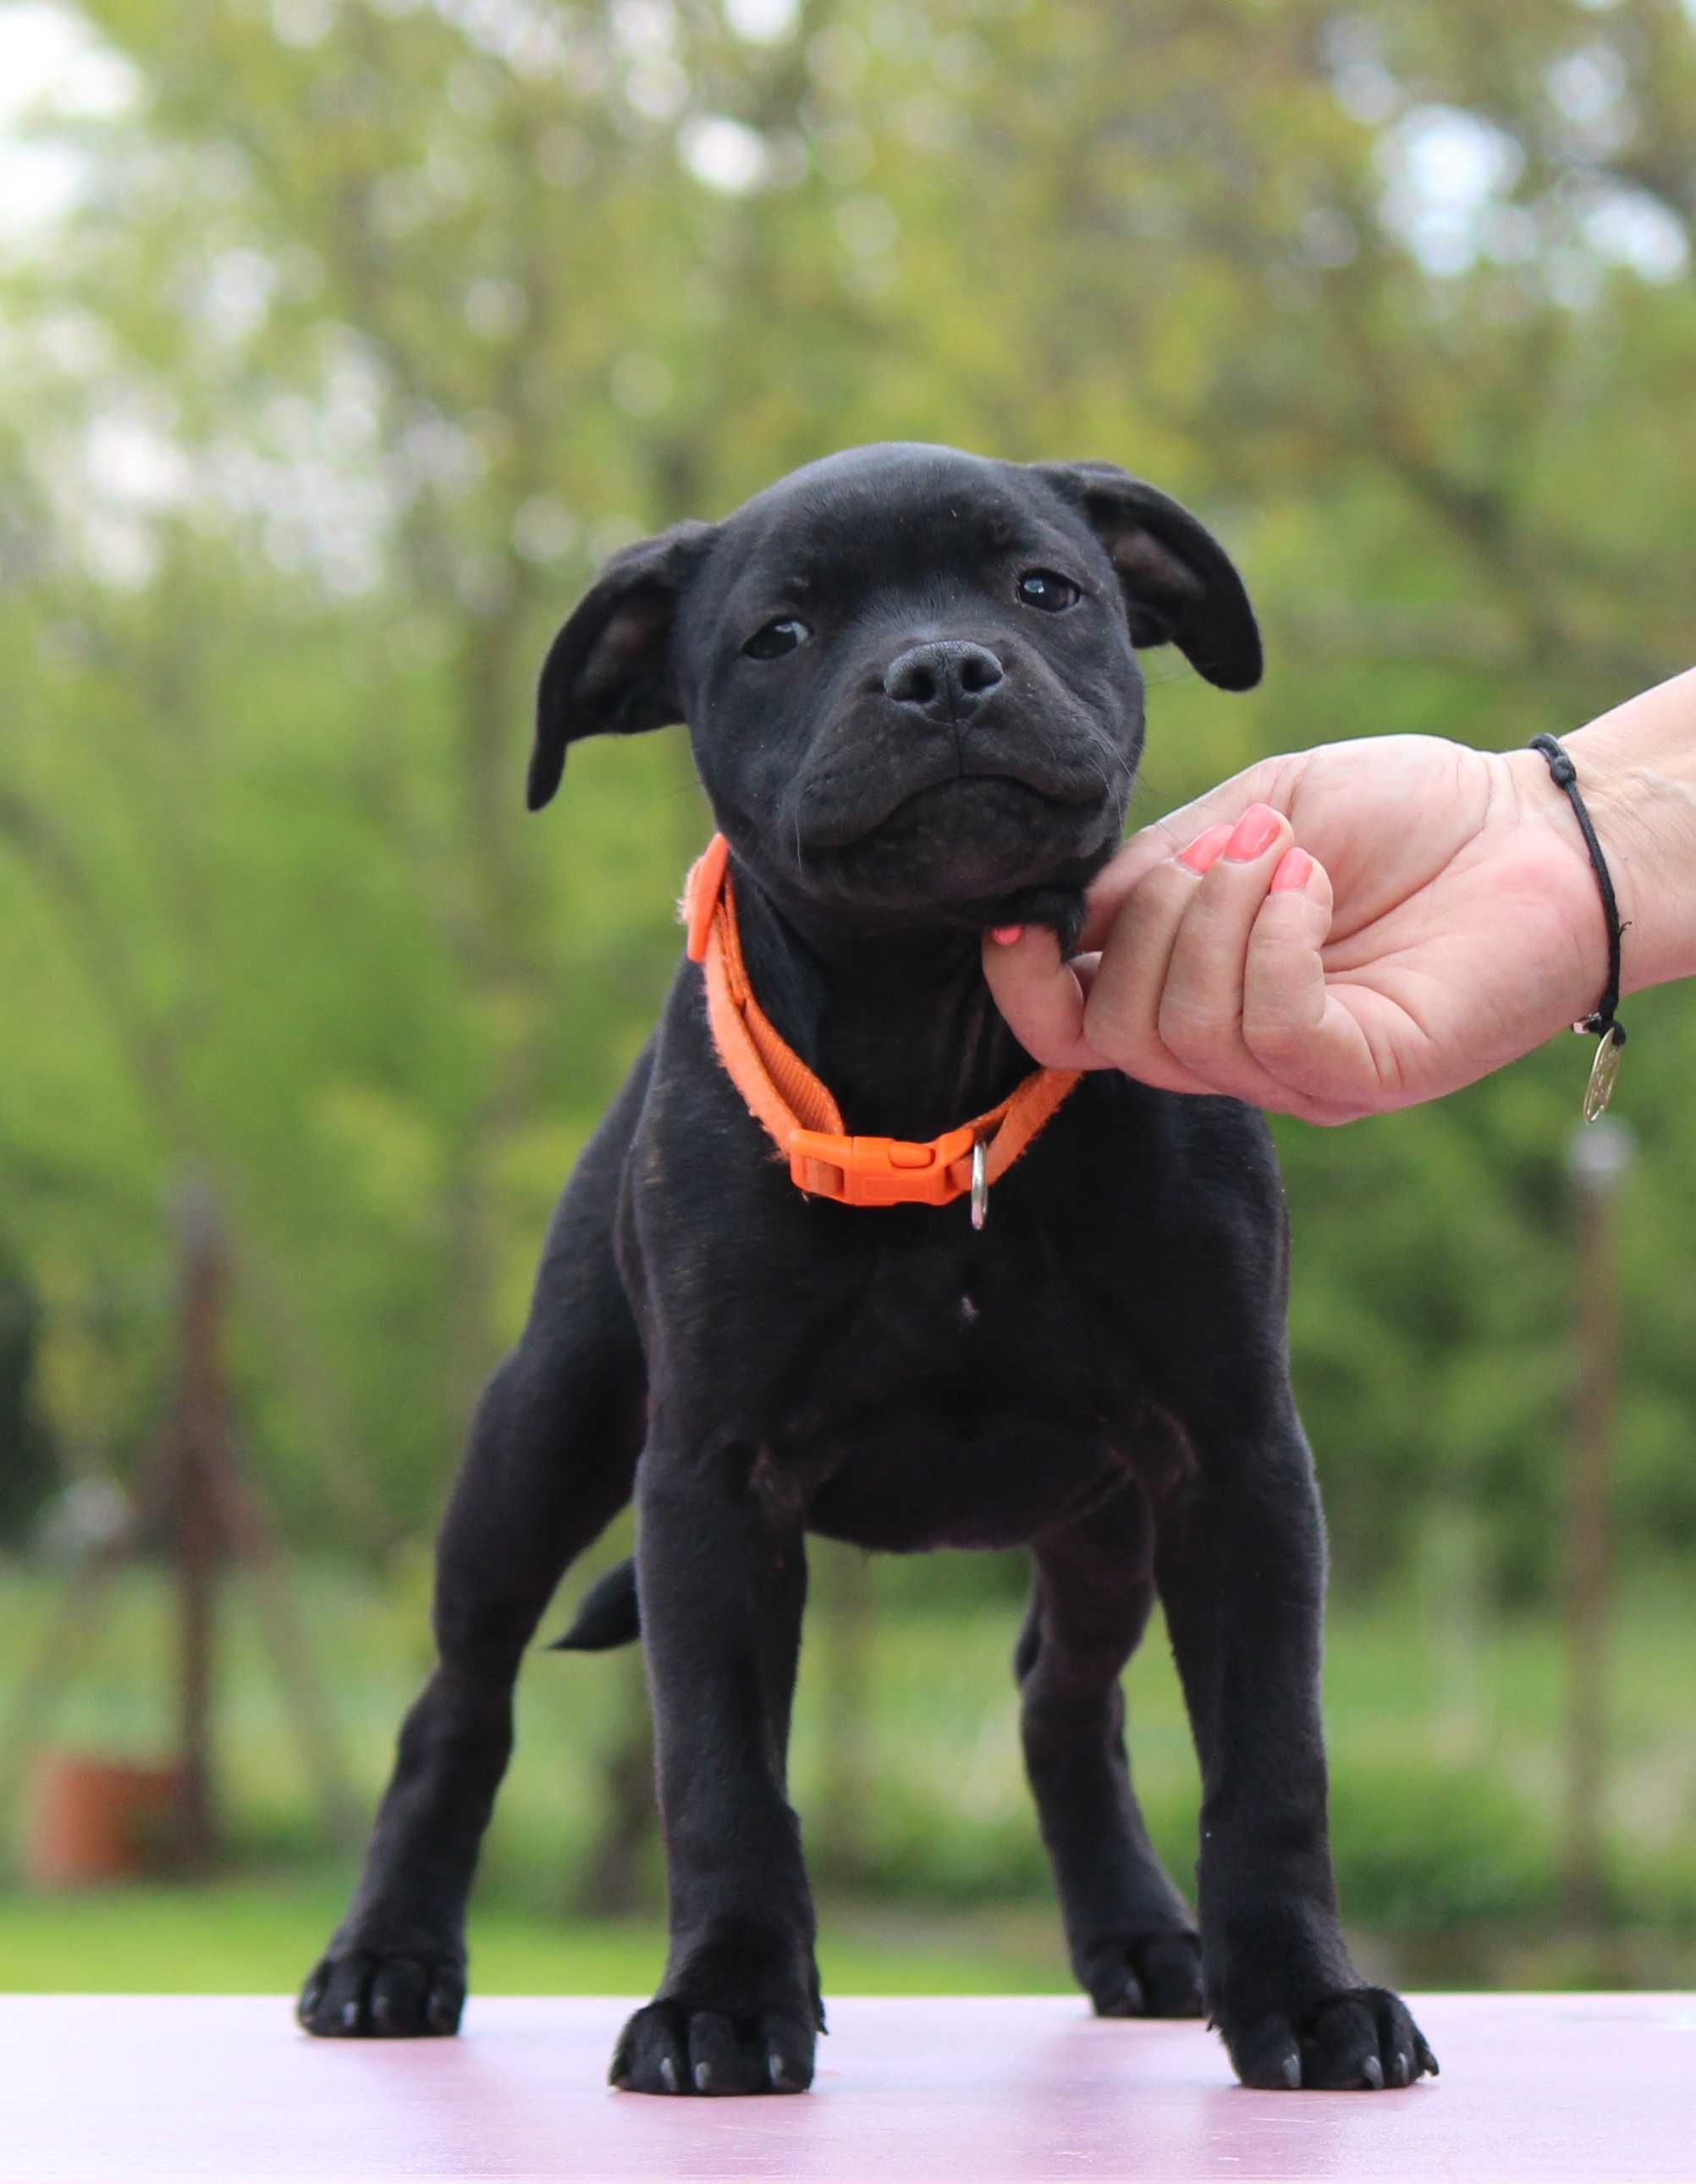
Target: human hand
[1439, 919]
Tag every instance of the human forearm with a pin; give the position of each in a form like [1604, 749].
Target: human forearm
[1637, 768]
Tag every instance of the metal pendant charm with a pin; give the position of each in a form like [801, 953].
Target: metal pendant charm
[1604, 1073]
[980, 1183]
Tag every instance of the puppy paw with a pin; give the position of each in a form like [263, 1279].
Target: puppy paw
[1359, 2039]
[369, 1994]
[1149, 1976]
[666, 2048]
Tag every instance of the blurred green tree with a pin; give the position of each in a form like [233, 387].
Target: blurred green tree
[28, 1462]
[372, 324]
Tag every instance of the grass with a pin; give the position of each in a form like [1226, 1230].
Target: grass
[257, 1935]
[1445, 1732]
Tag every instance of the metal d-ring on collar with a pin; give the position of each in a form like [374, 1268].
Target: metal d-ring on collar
[980, 1183]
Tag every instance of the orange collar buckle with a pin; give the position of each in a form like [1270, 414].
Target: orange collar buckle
[880, 1171]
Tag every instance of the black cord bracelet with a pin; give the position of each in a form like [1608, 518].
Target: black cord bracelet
[1602, 1021]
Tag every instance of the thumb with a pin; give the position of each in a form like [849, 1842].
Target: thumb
[1041, 995]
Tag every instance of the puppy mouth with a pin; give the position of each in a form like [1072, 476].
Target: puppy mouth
[1002, 789]
[975, 849]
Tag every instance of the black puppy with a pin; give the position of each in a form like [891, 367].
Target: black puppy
[911, 682]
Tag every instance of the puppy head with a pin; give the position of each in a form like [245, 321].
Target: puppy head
[909, 674]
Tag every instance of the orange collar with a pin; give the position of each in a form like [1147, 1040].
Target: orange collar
[799, 1113]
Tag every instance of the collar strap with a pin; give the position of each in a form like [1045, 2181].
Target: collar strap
[798, 1111]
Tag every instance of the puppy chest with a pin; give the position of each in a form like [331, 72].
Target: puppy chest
[961, 1413]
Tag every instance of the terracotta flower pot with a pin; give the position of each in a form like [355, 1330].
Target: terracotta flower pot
[95, 1819]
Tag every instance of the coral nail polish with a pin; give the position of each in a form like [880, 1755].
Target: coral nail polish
[1207, 848]
[1006, 934]
[1294, 868]
[1256, 831]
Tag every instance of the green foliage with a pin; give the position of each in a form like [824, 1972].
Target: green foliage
[1433, 1848]
[28, 1460]
[375, 325]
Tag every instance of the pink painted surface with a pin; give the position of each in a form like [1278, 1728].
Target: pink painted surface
[1546, 2089]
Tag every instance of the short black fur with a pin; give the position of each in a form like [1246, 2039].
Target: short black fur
[1100, 1374]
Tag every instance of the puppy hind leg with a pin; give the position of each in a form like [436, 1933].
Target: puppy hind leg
[1131, 1940]
[551, 1458]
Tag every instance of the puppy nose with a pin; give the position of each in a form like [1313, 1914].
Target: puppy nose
[943, 681]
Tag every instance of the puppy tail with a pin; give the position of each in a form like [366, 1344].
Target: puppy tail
[608, 1615]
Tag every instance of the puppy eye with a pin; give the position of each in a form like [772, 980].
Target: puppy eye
[776, 638]
[1053, 594]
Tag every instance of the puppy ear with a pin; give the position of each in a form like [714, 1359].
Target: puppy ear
[1180, 585]
[609, 671]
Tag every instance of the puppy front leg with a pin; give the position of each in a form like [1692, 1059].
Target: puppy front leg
[722, 1569]
[1241, 1567]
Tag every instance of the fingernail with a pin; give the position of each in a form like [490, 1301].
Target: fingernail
[1006, 934]
[1294, 867]
[1207, 848]
[1256, 831]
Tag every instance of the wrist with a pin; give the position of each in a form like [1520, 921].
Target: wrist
[1575, 946]
[1636, 772]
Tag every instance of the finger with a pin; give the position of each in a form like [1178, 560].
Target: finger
[1165, 839]
[1294, 1024]
[1283, 974]
[1200, 1014]
[1042, 998]
[1104, 1012]
[1122, 1005]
